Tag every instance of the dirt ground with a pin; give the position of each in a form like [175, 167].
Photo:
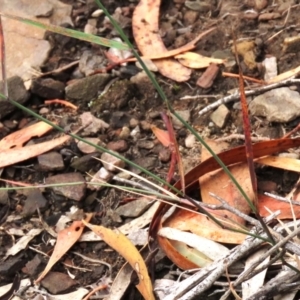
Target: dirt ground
[125, 105]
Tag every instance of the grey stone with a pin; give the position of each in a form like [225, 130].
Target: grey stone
[101, 177]
[134, 209]
[16, 92]
[51, 161]
[48, 88]
[25, 47]
[86, 89]
[57, 283]
[89, 62]
[86, 148]
[278, 105]
[220, 116]
[86, 162]
[74, 192]
[34, 200]
[184, 114]
[110, 162]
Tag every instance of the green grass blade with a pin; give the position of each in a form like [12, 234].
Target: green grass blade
[71, 33]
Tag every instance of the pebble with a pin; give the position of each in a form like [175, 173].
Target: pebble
[278, 105]
[16, 92]
[270, 65]
[97, 13]
[164, 155]
[291, 44]
[125, 132]
[86, 89]
[51, 161]
[34, 200]
[74, 192]
[145, 125]
[57, 283]
[109, 162]
[86, 162]
[135, 133]
[86, 148]
[90, 61]
[48, 88]
[10, 124]
[220, 116]
[190, 17]
[147, 162]
[144, 144]
[44, 111]
[118, 146]
[184, 114]
[133, 122]
[35, 265]
[134, 208]
[90, 29]
[102, 176]
[190, 141]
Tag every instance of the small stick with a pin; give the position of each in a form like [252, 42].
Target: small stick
[241, 137]
[232, 75]
[237, 95]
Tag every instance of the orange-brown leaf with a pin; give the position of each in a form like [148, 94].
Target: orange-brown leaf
[125, 248]
[265, 202]
[145, 26]
[219, 183]
[197, 61]
[11, 156]
[18, 138]
[162, 135]
[65, 240]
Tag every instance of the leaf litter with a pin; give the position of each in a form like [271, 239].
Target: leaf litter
[186, 218]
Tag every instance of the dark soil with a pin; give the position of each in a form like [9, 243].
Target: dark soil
[126, 105]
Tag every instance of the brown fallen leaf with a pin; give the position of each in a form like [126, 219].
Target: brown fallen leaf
[197, 61]
[200, 225]
[66, 238]
[266, 202]
[285, 163]
[125, 248]
[162, 135]
[145, 29]
[18, 138]
[219, 183]
[12, 156]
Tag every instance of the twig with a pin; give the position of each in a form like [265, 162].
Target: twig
[59, 70]
[235, 211]
[242, 137]
[236, 95]
[187, 97]
[282, 199]
[277, 285]
[95, 261]
[251, 271]
[204, 279]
